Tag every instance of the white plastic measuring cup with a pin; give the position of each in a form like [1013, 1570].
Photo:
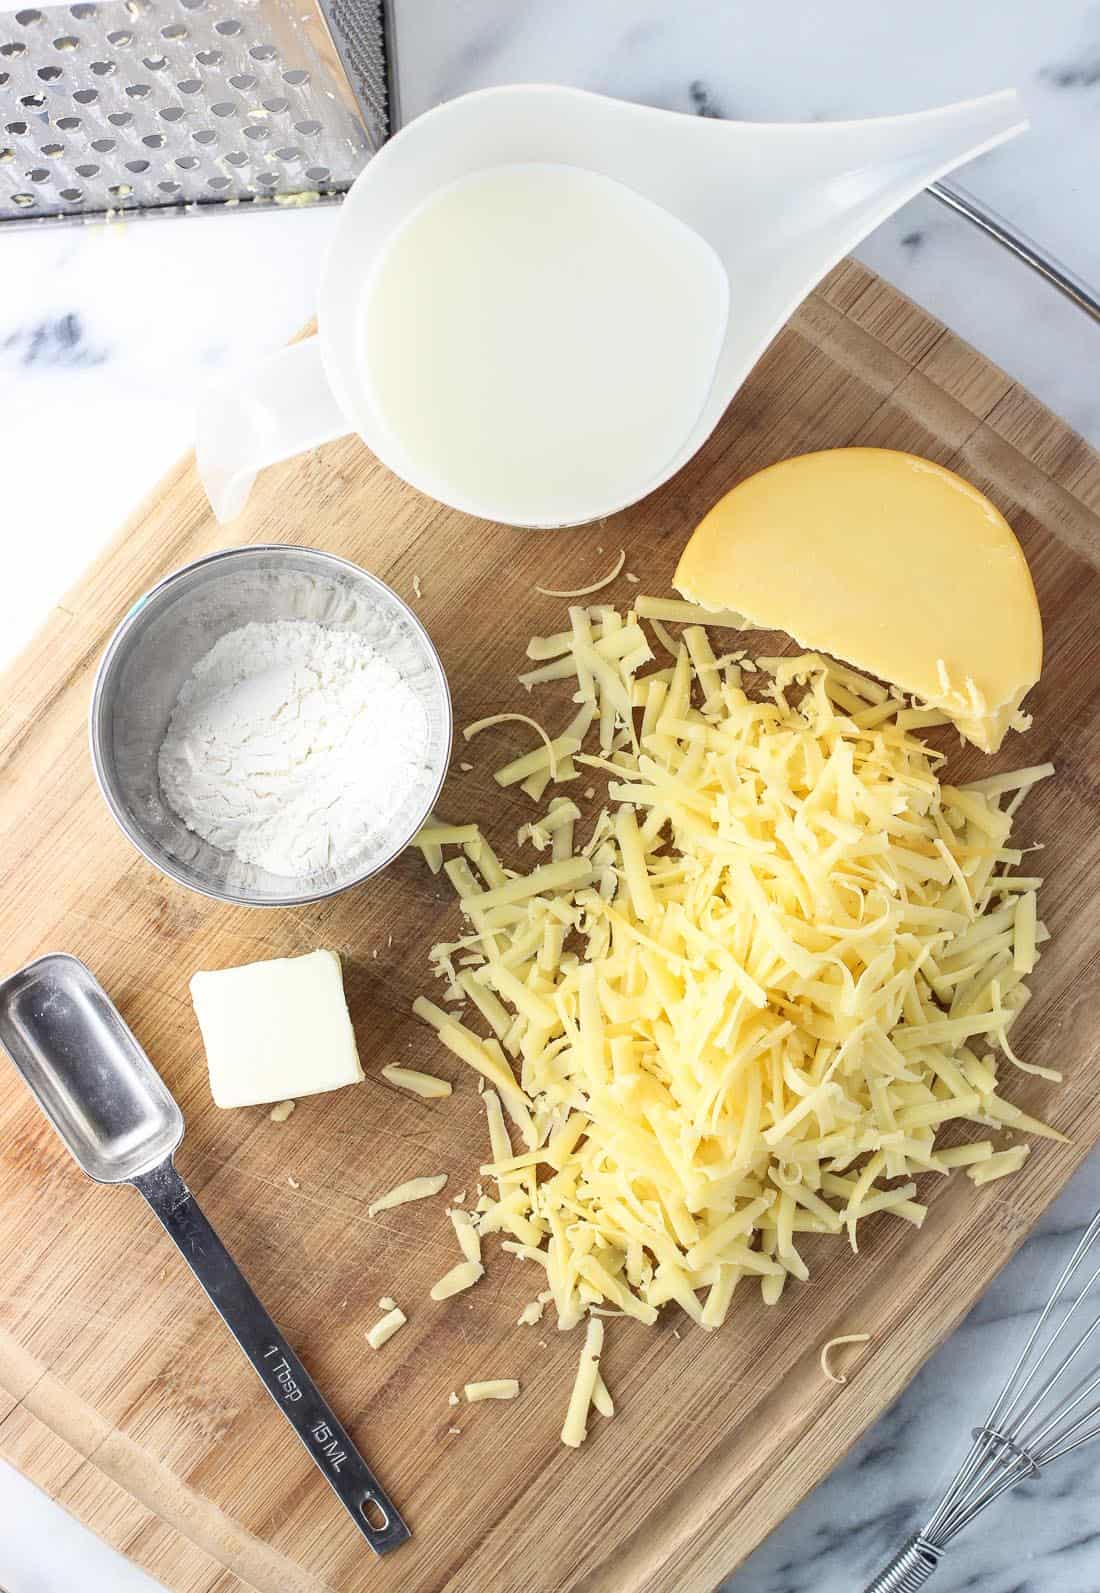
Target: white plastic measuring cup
[780, 204]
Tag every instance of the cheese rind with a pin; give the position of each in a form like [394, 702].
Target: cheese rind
[889, 561]
[276, 1030]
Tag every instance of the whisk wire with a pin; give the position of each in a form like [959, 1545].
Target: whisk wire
[1030, 1425]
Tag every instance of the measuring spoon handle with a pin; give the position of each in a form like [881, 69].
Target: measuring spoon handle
[279, 1369]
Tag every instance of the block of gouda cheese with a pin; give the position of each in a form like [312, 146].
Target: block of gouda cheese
[887, 561]
[276, 1030]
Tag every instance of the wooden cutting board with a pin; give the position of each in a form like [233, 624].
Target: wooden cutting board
[120, 1391]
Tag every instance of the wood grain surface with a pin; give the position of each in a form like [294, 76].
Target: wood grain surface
[121, 1392]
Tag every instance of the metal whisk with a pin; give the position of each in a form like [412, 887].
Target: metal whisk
[1049, 1407]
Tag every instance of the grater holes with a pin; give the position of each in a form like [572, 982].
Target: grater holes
[255, 131]
[205, 135]
[288, 154]
[154, 63]
[236, 158]
[71, 195]
[137, 8]
[12, 52]
[68, 124]
[18, 128]
[154, 141]
[27, 19]
[229, 28]
[276, 107]
[317, 174]
[120, 38]
[187, 162]
[169, 187]
[219, 184]
[242, 82]
[102, 146]
[34, 102]
[4, 78]
[267, 179]
[173, 113]
[307, 129]
[297, 77]
[120, 118]
[189, 85]
[223, 108]
[138, 91]
[82, 13]
[22, 200]
[137, 166]
[6, 155]
[49, 74]
[103, 68]
[209, 57]
[87, 170]
[174, 31]
[121, 190]
[86, 96]
[193, 5]
[38, 174]
[263, 52]
[66, 41]
[51, 151]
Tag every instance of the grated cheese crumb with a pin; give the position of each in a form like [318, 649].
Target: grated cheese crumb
[281, 1111]
[384, 1329]
[463, 1276]
[426, 1085]
[501, 1388]
[414, 1189]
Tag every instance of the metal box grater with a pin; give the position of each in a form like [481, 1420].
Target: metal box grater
[177, 107]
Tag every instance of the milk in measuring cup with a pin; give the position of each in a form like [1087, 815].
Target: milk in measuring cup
[538, 338]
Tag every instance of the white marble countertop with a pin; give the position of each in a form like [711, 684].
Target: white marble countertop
[108, 336]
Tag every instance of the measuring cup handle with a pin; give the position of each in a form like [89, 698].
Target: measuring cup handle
[272, 411]
[279, 1369]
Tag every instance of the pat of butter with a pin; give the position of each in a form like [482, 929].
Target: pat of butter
[276, 1030]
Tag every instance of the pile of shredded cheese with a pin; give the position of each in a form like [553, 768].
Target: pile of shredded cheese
[745, 1002]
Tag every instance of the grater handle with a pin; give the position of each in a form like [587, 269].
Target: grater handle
[268, 412]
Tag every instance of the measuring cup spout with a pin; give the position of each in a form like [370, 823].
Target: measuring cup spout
[783, 204]
[830, 183]
[281, 407]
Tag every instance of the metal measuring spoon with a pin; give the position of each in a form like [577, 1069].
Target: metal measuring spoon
[114, 1115]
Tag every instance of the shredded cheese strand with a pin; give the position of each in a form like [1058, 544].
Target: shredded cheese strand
[753, 997]
[586, 591]
[524, 719]
[835, 1344]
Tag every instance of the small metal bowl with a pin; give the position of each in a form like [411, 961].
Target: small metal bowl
[155, 649]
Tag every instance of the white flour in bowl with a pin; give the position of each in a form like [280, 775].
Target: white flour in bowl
[290, 744]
